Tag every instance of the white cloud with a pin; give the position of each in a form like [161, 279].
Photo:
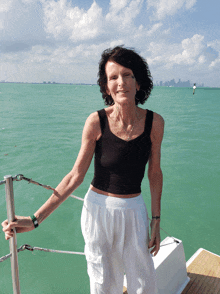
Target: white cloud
[65, 63]
[163, 8]
[191, 59]
[63, 21]
[192, 48]
[154, 28]
[122, 13]
[116, 5]
[215, 44]
[201, 59]
[5, 5]
[58, 41]
[21, 25]
[215, 64]
[190, 3]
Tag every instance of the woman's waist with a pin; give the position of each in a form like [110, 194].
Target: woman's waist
[101, 192]
[114, 201]
[117, 186]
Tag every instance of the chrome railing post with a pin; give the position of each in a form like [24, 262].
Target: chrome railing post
[12, 241]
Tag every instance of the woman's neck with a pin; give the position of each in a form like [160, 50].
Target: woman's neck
[126, 114]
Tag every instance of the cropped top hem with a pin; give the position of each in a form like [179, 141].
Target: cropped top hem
[119, 164]
[119, 190]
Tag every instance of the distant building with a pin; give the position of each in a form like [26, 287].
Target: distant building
[172, 83]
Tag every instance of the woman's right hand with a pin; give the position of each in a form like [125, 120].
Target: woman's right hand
[22, 224]
[155, 237]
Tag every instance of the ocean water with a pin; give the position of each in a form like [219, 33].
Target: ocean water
[40, 136]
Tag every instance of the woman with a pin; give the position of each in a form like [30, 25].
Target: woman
[114, 219]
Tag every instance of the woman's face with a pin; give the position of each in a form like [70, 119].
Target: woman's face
[121, 83]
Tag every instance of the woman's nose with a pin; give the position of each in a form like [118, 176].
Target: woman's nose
[121, 80]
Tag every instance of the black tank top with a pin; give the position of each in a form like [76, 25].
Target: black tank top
[119, 164]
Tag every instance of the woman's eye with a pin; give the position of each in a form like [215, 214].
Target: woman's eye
[113, 78]
[128, 75]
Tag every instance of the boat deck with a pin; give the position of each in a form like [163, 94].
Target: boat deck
[203, 270]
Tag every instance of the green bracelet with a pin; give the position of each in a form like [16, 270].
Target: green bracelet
[34, 220]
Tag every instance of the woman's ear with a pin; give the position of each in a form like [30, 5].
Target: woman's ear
[137, 86]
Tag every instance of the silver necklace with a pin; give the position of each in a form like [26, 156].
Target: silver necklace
[128, 133]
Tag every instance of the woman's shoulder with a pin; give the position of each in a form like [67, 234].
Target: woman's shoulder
[157, 127]
[93, 117]
[92, 125]
[158, 119]
[92, 120]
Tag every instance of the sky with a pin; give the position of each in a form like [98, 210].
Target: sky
[62, 41]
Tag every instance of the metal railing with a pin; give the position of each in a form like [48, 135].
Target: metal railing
[13, 240]
[8, 181]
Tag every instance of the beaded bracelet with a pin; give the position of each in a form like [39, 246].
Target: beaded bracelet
[34, 220]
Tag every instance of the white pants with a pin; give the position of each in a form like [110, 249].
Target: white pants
[116, 242]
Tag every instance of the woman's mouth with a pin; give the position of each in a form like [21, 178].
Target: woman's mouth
[122, 91]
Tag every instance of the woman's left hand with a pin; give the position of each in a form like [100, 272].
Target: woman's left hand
[155, 237]
[21, 224]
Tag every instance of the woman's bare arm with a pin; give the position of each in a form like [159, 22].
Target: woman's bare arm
[155, 177]
[70, 182]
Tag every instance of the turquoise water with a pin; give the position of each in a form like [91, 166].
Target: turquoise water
[40, 135]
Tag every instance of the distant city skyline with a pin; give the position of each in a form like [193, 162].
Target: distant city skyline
[171, 83]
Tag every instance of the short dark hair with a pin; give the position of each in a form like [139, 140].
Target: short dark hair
[129, 59]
